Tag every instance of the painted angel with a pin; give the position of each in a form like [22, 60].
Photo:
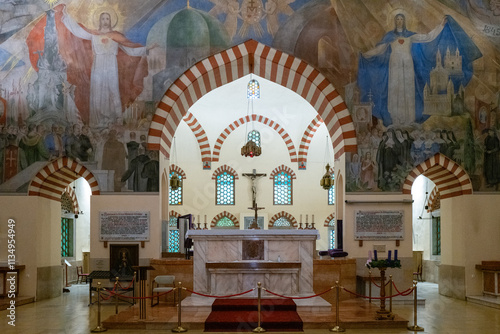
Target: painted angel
[232, 10]
[272, 9]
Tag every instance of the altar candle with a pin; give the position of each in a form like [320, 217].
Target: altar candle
[205, 219]
[395, 254]
[199, 221]
[375, 255]
[369, 255]
[312, 220]
[307, 218]
[389, 255]
[301, 218]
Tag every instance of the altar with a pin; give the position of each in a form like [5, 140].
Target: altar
[232, 261]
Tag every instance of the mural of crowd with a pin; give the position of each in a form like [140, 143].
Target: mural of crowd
[82, 79]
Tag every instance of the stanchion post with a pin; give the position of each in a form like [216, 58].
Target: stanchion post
[337, 327]
[116, 297]
[133, 287]
[415, 327]
[258, 329]
[370, 286]
[99, 327]
[390, 293]
[179, 328]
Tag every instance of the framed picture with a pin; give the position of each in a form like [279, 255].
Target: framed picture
[121, 260]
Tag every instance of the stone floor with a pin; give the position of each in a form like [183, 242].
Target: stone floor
[70, 314]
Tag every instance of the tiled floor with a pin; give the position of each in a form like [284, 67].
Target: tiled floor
[70, 314]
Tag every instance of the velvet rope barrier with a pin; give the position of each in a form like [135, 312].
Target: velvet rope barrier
[306, 297]
[386, 297]
[210, 296]
[404, 293]
[108, 297]
[112, 293]
[128, 287]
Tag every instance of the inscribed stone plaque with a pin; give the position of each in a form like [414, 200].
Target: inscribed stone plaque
[253, 250]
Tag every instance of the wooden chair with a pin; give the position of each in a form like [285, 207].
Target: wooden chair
[418, 274]
[162, 283]
[81, 275]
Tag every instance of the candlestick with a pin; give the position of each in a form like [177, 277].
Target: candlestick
[389, 255]
[312, 220]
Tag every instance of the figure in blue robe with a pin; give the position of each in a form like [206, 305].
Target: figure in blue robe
[394, 73]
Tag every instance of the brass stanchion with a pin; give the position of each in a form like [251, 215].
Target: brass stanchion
[415, 327]
[258, 329]
[370, 286]
[99, 327]
[179, 328]
[390, 294]
[337, 327]
[133, 287]
[116, 297]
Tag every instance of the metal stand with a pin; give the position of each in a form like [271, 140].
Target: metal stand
[179, 328]
[337, 327]
[383, 314]
[415, 327]
[99, 327]
[258, 329]
[390, 294]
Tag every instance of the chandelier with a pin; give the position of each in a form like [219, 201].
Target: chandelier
[251, 148]
[175, 181]
[327, 180]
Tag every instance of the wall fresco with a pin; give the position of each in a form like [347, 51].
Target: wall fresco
[83, 78]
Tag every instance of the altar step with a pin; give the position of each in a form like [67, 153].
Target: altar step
[229, 315]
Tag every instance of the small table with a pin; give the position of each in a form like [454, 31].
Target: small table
[142, 276]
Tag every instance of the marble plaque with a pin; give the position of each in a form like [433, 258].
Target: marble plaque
[253, 250]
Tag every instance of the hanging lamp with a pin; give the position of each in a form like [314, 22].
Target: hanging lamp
[251, 149]
[327, 180]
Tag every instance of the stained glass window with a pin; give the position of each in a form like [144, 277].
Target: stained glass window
[224, 222]
[175, 196]
[282, 222]
[253, 89]
[331, 234]
[254, 136]
[282, 189]
[173, 235]
[67, 237]
[331, 195]
[225, 189]
[173, 241]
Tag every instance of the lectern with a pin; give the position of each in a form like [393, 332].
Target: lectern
[142, 277]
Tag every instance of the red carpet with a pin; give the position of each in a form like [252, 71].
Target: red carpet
[240, 315]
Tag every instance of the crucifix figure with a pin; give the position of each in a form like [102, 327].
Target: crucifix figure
[254, 207]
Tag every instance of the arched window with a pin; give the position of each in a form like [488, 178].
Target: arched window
[282, 188]
[331, 234]
[225, 222]
[175, 196]
[253, 89]
[225, 188]
[282, 222]
[254, 136]
[173, 235]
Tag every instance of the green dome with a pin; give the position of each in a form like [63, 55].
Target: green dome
[194, 28]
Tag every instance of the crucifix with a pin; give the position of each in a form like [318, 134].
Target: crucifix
[254, 207]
